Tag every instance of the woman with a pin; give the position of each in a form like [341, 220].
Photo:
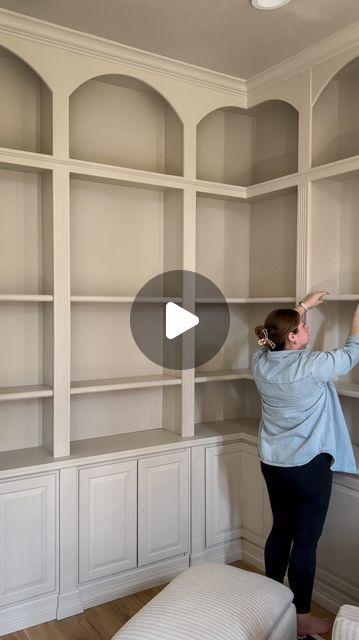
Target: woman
[302, 439]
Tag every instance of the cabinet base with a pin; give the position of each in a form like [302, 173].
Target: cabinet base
[69, 605]
[227, 552]
[107, 589]
[27, 614]
[329, 590]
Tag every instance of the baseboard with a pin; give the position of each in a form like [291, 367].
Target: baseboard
[27, 614]
[329, 591]
[226, 552]
[69, 604]
[107, 589]
[252, 554]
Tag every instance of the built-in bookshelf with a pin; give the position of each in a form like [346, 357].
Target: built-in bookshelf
[107, 180]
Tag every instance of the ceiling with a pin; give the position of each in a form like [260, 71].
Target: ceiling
[228, 36]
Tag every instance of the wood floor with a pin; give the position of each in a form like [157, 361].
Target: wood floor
[100, 623]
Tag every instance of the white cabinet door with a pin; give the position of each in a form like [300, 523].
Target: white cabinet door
[337, 556]
[163, 507]
[27, 538]
[108, 519]
[223, 493]
[253, 497]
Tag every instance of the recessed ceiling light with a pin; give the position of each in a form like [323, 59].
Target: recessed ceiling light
[268, 4]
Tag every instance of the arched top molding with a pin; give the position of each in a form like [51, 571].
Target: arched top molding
[257, 108]
[131, 79]
[33, 62]
[324, 73]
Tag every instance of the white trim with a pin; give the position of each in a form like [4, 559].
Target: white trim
[69, 604]
[227, 552]
[326, 48]
[16, 24]
[128, 582]
[27, 614]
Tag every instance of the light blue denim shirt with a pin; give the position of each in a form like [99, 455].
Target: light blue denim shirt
[301, 412]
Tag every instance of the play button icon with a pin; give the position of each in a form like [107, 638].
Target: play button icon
[178, 320]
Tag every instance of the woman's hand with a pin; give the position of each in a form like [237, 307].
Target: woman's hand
[315, 299]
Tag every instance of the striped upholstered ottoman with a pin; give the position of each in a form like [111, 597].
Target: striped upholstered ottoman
[213, 601]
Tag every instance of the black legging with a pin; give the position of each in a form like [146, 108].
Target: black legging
[299, 498]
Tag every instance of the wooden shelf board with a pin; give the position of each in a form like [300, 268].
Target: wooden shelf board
[123, 299]
[350, 297]
[337, 170]
[224, 374]
[223, 428]
[20, 297]
[275, 187]
[283, 300]
[25, 458]
[126, 176]
[138, 443]
[123, 383]
[349, 389]
[251, 193]
[25, 392]
[29, 161]
[103, 299]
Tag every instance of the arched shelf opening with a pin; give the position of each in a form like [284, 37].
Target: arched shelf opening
[335, 117]
[122, 121]
[248, 146]
[25, 106]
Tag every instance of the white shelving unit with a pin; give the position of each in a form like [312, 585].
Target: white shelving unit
[119, 120]
[29, 125]
[135, 192]
[248, 146]
[335, 126]
[117, 165]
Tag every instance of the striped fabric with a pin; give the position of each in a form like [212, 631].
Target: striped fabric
[346, 625]
[212, 601]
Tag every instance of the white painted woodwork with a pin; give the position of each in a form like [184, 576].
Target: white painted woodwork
[335, 126]
[225, 374]
[26, 220]
[252, 496]
[231, 235]
[115, 166]
[126, 222]
[337, 556]
[163, 507]
[223, 492]
[125, 411]
[267, 138]
[57, 441]
[29, 126]
[130, 382]
[28, 538]
[107, 520]
[69, 602]
[26, 391]
[118, 120]
[226, 400]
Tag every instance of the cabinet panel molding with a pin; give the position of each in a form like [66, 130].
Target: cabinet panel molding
[107, 520]
[163, 504]
[27, 538]
[223, 472]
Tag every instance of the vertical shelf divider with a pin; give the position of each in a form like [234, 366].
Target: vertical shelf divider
[189, 264]
[303, 257]
[62, 310]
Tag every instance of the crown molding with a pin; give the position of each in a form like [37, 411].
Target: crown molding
[42, 32]
[329, 47]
